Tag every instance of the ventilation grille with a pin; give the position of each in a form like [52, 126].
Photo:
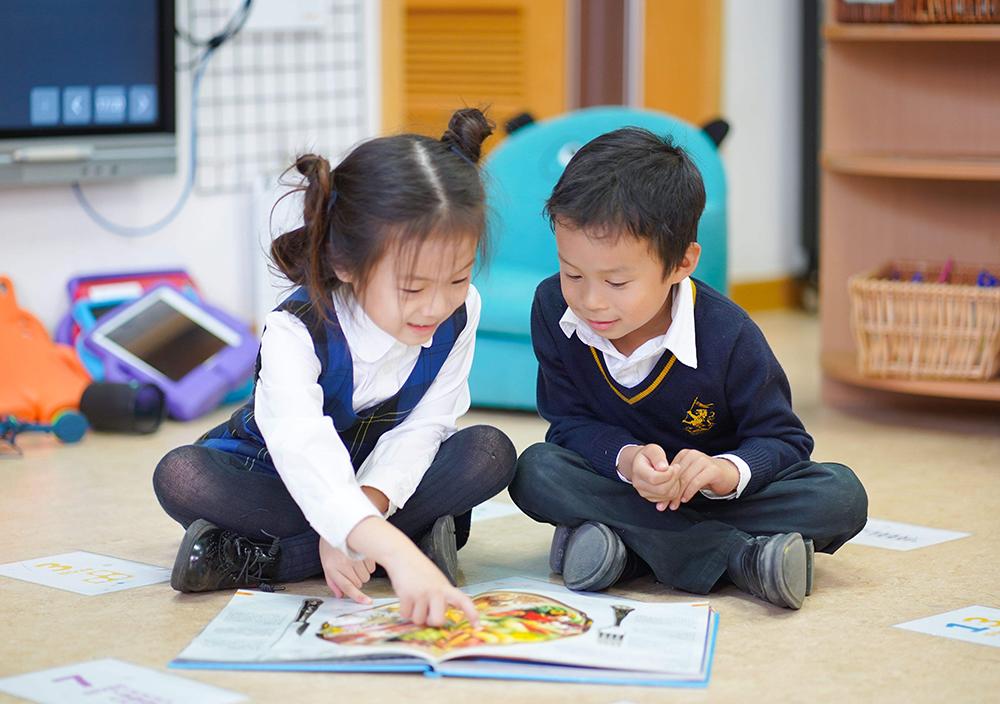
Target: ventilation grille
[457, 57]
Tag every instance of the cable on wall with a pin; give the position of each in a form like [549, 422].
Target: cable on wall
[231, 29]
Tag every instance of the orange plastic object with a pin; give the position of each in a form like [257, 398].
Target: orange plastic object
[38, 378]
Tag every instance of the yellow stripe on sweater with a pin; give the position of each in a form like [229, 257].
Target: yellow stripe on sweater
[632, 400]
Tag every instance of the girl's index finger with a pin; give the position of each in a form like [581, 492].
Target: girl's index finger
[463, 602]
[352, 592]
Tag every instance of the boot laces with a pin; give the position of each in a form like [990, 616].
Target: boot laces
[246, 560]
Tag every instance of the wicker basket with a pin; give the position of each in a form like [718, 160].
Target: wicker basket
[922, 330]
[919, 11]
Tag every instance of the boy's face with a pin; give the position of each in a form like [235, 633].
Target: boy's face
[616, 284]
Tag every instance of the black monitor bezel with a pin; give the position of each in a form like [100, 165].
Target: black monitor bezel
[167, 123]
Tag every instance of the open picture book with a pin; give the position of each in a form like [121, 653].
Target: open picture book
[528, 629]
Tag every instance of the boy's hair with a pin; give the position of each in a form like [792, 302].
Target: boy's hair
[391, 192]
[631, 181]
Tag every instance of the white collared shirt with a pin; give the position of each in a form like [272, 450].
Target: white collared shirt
[630, 370]
[304, 445]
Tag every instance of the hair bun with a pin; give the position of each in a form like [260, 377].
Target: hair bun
[467, 130]
[313, 167]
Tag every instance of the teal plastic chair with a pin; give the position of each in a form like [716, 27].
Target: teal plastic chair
[520, 174]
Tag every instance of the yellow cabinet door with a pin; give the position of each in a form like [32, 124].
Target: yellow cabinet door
[439, 55]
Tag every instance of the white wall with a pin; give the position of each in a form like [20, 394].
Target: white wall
[45, 239]
[761, 94]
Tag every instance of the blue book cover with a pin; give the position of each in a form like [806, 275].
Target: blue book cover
[528, 630]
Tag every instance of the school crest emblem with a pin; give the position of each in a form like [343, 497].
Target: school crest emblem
[700, 417]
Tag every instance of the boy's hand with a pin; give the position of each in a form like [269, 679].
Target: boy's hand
[697, 471]
[653, 478]
[343, 575]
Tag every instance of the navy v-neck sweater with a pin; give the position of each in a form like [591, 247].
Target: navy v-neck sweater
[737, 401]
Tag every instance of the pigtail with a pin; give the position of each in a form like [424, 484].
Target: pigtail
[467, 130]
[302, 255]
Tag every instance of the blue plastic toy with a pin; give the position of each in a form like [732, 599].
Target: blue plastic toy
[68, 427]
[520, 175]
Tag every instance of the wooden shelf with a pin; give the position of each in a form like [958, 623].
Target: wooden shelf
[842, 366]
[970, 168]
[911, 168]
[860, 32]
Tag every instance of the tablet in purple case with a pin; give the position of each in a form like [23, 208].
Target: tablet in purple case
[194, 352]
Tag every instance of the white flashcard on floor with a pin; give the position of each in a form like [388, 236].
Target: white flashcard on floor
[493, 509]
[112, 681]
[973, 624]
[902, 536]
[86, 573]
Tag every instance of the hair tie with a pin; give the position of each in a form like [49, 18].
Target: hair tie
[330, 202]
[470, 162]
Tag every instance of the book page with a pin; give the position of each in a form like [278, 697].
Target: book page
[258, 627]
[624, 634]
[520, 620]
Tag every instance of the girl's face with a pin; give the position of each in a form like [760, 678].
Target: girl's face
[409, 297]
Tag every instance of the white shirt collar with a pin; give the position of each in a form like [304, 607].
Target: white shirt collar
[679, 337]
[367, 340]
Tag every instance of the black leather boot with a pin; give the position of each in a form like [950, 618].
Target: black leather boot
[212, 558]
[773, 568]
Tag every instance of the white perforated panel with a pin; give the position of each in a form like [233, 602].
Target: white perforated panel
[295, 79]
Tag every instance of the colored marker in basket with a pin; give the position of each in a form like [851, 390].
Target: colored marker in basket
[945, 274]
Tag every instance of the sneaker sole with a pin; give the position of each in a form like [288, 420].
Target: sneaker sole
[810, 554]
[557, 551]
[594, 558]
[178, 576]
[785, 563]
[439, 546]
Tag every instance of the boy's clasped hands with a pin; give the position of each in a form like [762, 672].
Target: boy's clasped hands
[670, 484]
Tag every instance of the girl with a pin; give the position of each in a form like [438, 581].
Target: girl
[347, 453]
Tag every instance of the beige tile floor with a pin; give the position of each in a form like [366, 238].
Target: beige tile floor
[935, 469]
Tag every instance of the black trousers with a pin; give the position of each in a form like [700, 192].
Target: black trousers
[193, 482]
[688, 548]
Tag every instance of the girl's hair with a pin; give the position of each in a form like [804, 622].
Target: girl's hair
[388, 192]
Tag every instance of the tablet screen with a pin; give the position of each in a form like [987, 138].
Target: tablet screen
[167, 340]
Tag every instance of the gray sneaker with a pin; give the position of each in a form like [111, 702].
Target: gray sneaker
[810, 553]
[438, 544]
[773, 568]
[590, 557]
[557, 551]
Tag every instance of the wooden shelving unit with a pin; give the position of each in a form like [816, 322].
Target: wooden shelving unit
[893, 166]
[835, 32]
[910, 170]
[842, 367]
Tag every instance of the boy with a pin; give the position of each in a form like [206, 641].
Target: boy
[672, 442]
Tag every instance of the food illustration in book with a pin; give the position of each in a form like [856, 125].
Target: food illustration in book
[505, 618]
